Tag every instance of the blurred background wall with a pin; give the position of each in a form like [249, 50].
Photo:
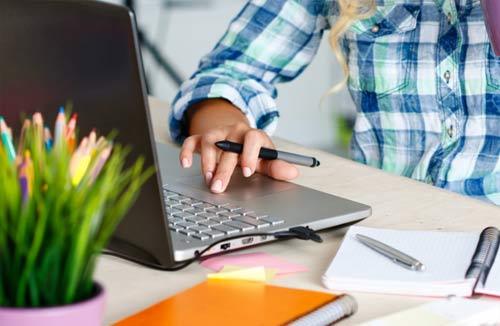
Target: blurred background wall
[185, 30]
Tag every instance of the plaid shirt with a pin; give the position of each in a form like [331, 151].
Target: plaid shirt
[422, 75]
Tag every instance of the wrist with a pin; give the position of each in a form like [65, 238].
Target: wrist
[213, 113]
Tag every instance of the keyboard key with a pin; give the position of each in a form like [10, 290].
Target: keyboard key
[186, 224]
[200, 236]
[220, 219]
[214, 233]
[252, 221]
[183, 207]
[171, 210]
[198, 228]
[244, 211]
[195, 219]
[191, 201]
[182, 215]
[208, 223]
[172, 203]
[230, 207]
[195, 211]
[204, 206]
[182, 198]
[175, 228]
[187, 231]
[175, 220]
[225, 228]
[273, 220]
[258, 215]
[208, 215]
[169, 194]
[216, 210]
[229, 214]
[239, 225]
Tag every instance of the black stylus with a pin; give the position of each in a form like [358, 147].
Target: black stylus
[270, 154]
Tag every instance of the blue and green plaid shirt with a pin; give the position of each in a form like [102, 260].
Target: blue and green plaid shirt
[422, 75]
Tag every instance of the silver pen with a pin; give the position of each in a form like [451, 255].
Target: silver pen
[393, 254]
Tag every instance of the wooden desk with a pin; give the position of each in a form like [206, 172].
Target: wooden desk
[397, 202]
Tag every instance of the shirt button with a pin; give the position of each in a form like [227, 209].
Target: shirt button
[447, 75]
[449, 131]
[448, 17]
[375, 28]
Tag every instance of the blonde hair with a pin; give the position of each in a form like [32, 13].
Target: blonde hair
[350, 11]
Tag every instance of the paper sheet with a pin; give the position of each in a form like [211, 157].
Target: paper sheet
[448, 312]
[282, 266]
[255, 274]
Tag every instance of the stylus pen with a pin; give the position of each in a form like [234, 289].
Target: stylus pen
[270, 154]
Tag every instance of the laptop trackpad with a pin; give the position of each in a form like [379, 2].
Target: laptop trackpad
[241, 188]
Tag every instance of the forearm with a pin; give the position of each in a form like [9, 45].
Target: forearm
[212, 113]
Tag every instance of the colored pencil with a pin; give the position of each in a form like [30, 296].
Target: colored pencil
[7, 140]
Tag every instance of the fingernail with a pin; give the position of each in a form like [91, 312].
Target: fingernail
[247, 172]
[208, 177]
[185, 163]
[217, 186]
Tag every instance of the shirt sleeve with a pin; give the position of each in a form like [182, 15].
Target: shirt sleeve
[269, 41]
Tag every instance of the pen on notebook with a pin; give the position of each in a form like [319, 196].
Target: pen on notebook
[270, 154]
[393, 254]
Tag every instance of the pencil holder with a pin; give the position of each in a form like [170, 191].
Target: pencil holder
[61, 201]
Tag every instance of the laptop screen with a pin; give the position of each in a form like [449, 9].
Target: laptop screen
[54, 52]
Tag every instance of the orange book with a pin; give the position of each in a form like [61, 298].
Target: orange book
[222, 302]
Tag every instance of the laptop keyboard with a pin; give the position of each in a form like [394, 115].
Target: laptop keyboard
[204, 221]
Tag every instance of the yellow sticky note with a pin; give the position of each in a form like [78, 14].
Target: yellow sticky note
[256, 274]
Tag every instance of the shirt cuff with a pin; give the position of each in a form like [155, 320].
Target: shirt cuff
[257, 105]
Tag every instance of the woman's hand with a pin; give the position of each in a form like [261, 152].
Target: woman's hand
[211, 121]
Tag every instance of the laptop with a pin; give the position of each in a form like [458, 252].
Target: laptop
[87, 53]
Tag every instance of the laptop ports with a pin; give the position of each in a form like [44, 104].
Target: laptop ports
[225, 246]
[247, 241]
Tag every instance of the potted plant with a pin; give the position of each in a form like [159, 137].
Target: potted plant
[59, 205]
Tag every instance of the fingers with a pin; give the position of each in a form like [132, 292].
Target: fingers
[253, 141]
[217, 166]
[189, 146]
[277, 169]
[209, 155]
[225, 168]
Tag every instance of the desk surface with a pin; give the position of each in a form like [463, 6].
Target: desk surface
[397, 202]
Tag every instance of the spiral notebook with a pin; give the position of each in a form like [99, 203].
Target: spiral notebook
[457, 263]
[217, 302]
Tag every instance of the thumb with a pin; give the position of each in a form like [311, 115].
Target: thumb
[277, 169]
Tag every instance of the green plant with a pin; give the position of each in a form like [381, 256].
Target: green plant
[49, 241]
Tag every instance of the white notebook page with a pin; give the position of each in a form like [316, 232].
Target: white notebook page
[446, 256]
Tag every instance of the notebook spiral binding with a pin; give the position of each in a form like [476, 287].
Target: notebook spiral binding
[484, 255]
[328, 313]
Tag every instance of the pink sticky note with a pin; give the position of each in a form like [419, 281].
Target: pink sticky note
[255, 259]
